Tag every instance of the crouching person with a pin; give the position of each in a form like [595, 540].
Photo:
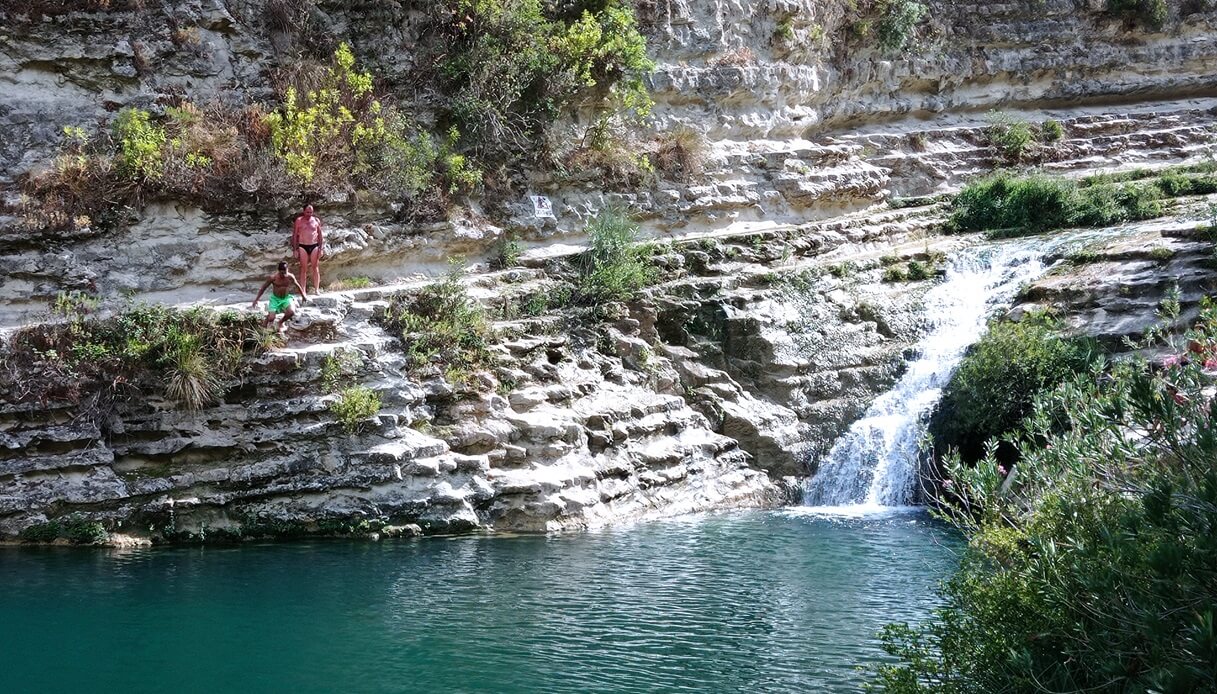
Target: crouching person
[280, 296]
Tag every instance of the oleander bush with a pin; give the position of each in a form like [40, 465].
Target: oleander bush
[1092, 567]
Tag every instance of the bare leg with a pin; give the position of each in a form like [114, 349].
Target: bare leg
[287, 315]
[315, 259]
[270, 318]
[302, 257]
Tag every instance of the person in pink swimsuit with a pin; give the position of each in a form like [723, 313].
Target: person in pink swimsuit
[308, 245]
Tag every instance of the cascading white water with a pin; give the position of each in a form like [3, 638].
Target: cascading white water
[875, 462]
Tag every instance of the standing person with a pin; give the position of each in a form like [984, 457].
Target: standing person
[308, 245]
[280, 296]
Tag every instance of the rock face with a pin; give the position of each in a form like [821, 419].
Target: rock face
[768, 334]
[701, 394]
[1114, 288]
[804, 123]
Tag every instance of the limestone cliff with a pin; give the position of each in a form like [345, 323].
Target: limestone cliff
[768, 334]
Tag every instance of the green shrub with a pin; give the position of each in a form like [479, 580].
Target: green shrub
[997, 381]
[333, 125]
[919, 271]
[897, 21]
[1083, 256]
[354, 406]
[1095, 567]
[783, 31]
[193, 381]
[843, 270]
[1162, 254]
[41, 532]
[508, 68]
[1174, 184]
[140, 142]
[500, 73]
[1051, 131]
[616, 266]
[355, 282]
[187, 354]
[1007, 205]
[1004, 201]
[74, 529]
[1151, 13]
[1012, 137]
[441, 329]
[507, 253]
[339, 367]
[895, 273]
[535, 305]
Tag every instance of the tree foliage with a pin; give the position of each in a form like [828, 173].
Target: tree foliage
[1095, 567]
[510, 67]
[995, 385]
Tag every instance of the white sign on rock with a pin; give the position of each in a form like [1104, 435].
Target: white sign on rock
[542, 207]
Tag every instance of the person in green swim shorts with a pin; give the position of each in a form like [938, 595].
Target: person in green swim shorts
[280, 296]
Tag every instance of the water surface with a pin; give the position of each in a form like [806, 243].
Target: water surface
[756, 601]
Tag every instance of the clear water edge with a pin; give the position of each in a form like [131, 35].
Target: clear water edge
[761, 601]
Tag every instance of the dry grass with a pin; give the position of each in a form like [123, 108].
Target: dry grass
[214, 154]
[681, 152]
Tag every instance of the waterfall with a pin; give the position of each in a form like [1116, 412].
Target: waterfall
[875, 462]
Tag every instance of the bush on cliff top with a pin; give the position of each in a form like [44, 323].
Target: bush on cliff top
[500, 71]
[1095, 567]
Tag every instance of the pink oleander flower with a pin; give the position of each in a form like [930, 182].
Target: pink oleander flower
[1210, 363]
[1172, 361]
